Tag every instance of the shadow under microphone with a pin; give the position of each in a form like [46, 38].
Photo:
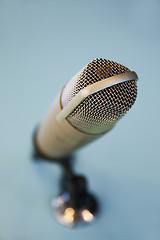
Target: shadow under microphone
[88, 106]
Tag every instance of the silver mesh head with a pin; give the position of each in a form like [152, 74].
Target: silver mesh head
[99, 111]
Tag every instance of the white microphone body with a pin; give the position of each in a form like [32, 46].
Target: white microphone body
[58, 140]
[60, 134]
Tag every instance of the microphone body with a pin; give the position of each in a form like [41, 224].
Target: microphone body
[87, 107]
[58, 140]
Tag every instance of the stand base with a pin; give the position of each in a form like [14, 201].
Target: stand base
[75, 206]
[70, 215]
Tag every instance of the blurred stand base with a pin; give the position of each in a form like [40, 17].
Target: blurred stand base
[74, 206]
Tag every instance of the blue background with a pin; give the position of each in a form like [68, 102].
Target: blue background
[42, 45]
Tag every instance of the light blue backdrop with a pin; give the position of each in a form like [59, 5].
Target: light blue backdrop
[42, 45]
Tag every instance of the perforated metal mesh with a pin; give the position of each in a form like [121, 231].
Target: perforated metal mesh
[99, 111]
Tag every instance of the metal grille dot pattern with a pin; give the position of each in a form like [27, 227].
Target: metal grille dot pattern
[99, 111]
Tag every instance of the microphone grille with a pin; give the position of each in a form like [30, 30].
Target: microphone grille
[99, 111]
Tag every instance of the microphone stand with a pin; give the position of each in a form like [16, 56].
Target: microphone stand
[75, 205]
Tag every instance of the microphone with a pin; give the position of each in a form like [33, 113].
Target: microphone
[88, 106]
